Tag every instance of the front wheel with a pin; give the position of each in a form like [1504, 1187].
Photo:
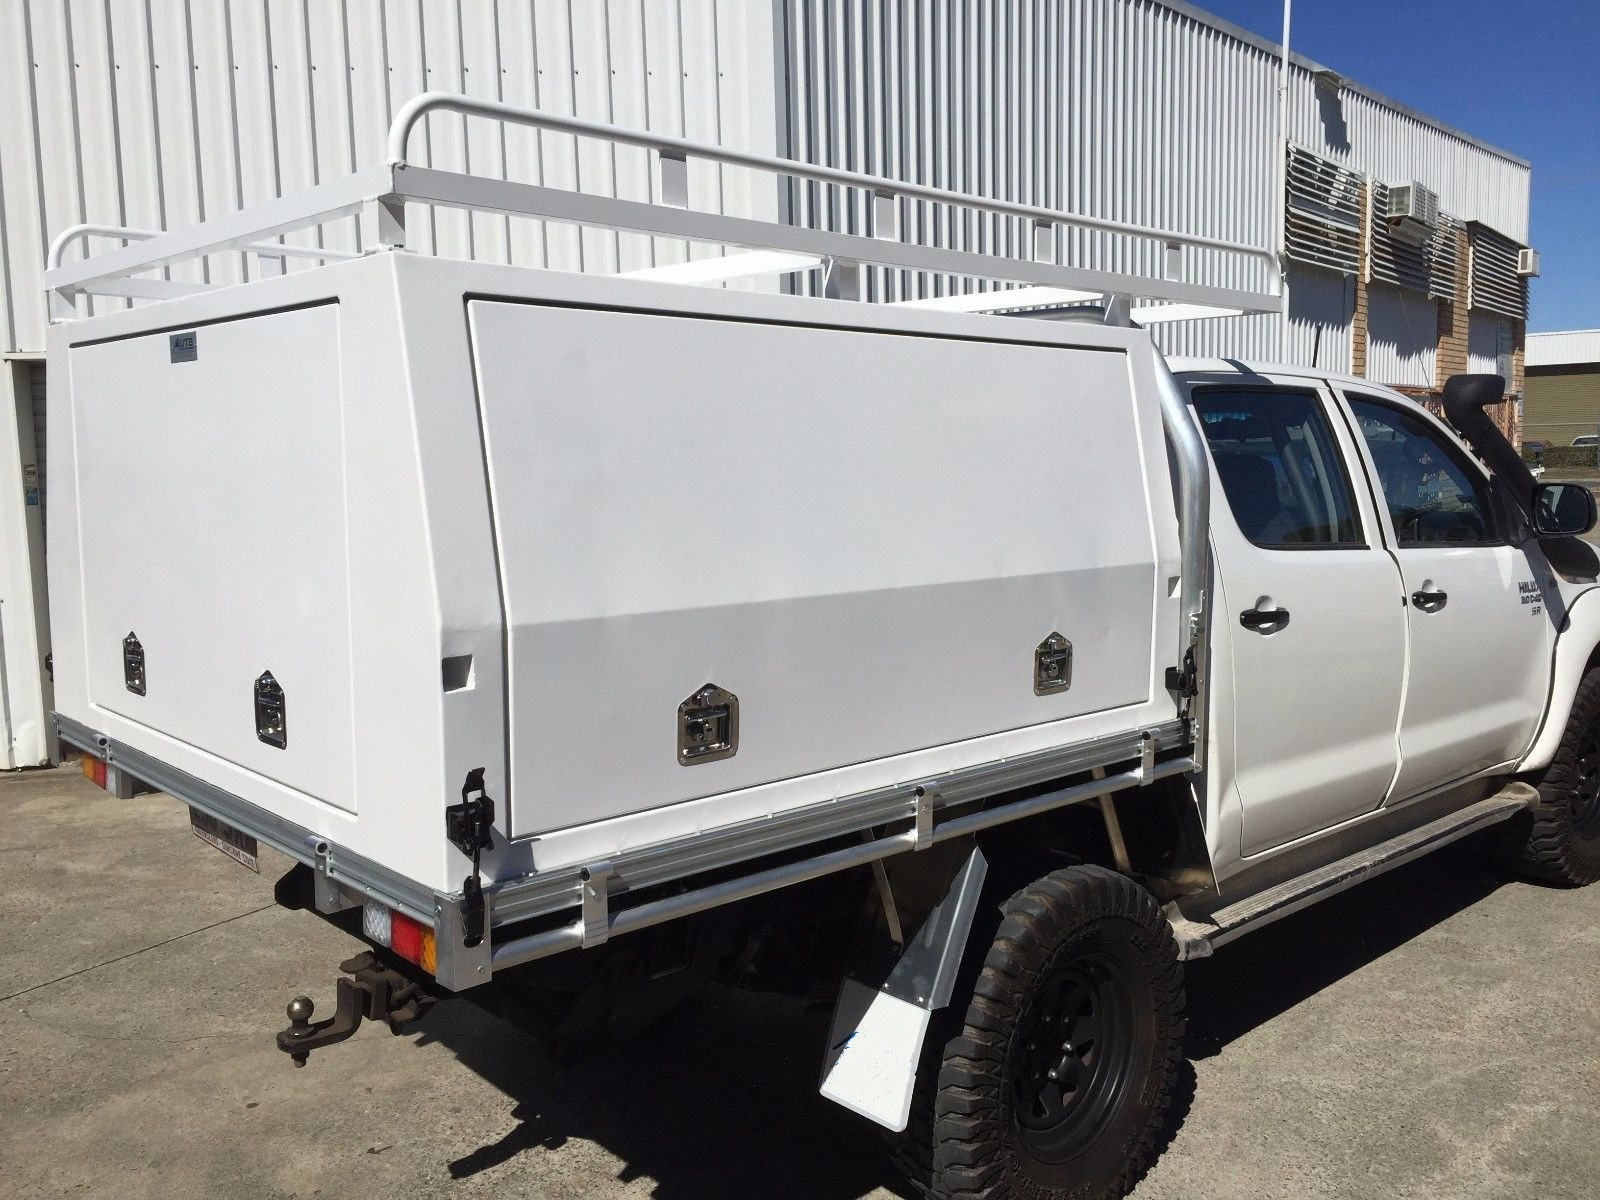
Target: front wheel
[1058, 1084]
[1558, 839]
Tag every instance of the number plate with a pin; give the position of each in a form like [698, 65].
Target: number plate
[240, 847]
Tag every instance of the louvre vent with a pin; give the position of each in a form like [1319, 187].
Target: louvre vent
[1430, 267]
[1495, 284]
[1322, 213]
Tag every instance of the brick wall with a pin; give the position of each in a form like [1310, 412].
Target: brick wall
[1453, 321]
[1454, 318]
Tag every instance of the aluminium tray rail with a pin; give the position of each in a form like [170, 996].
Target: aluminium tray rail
[804, 843]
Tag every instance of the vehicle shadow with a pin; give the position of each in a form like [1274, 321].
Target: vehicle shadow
[719, 1099]
[1250, 982]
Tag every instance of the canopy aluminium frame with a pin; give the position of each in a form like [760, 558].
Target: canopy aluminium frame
[384, 191]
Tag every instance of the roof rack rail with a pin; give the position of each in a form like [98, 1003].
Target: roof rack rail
[383, 191]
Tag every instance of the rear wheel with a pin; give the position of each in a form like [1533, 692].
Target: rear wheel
[1058, 1083]
[1558, 839]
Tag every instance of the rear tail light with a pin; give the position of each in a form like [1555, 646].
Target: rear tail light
[410, 939]
[94, 770]
[405, 937]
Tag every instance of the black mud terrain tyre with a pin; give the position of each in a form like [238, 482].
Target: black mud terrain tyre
[1558, 839]
[1057, 1082]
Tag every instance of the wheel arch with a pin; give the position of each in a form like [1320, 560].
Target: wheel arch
[1577, 653]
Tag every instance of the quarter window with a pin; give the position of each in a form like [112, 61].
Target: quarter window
[1279, 467]
[1434, 497]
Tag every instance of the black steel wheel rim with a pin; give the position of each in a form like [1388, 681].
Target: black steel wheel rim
[1586, 785]
[1073, 1057]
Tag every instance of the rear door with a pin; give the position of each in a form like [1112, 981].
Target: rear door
[211, 510]
[1479, 633]
[1308, 611]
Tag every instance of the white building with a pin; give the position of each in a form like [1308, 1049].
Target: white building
[152, 116]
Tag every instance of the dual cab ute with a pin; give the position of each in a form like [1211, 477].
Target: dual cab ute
[585, 639]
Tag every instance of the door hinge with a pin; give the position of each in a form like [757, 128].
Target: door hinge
[470, 828]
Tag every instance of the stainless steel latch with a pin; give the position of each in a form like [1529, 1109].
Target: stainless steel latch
[133, 664]
[708, 726]
[272, 725]
[1052, 665]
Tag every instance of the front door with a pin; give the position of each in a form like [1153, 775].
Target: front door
[1478, 632]
[1307, 614]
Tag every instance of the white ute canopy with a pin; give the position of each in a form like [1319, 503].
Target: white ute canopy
[681, 577]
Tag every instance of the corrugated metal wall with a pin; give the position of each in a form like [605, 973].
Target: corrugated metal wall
[1101, 107]
[157, 113]
[1562, 404]
[1395, 147]
[1564, 346]
[36, 400]
[1402, 336]
[1489, 344]
[1130, 109]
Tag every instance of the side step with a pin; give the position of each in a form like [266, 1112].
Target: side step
[1198, 938]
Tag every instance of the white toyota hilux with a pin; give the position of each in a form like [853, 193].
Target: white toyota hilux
[582, 639]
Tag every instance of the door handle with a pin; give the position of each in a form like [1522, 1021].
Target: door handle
[1428, 598]
[1264, 620]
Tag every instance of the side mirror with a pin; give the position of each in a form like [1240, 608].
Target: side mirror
[1562, 509]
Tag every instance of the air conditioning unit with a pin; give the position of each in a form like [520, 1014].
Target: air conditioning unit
[1413, 212]
[1528, 263]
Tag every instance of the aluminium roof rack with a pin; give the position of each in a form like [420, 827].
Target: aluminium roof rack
[383, 191]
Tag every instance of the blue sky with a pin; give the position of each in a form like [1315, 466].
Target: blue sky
[1520, 74]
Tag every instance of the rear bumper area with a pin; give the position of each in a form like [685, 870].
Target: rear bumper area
[344, 878]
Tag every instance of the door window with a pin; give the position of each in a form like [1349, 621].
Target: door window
[1275, 456]
[1434, 496]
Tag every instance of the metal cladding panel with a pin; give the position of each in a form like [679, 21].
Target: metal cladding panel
[155, 116]
[1566, 346]
[1402, 337]
[1395, 146]
[1489, 345]
[36, 404]
[1123, 109]
[1319, 318]
[1318, 331]
[1559, 407]
[159, 115]
[1065, 106]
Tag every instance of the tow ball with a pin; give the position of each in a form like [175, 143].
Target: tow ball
[367, 990]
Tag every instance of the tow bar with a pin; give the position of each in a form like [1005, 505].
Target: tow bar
[367, 990]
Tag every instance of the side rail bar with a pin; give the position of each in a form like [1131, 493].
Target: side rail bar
[675, 152]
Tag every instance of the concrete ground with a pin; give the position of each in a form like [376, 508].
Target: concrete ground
[1432, 1033]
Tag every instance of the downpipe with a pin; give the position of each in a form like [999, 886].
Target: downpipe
[1194, 534]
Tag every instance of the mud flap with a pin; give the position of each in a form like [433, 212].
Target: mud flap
[879, 1024]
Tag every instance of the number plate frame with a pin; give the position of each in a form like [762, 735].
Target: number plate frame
[235, 843]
